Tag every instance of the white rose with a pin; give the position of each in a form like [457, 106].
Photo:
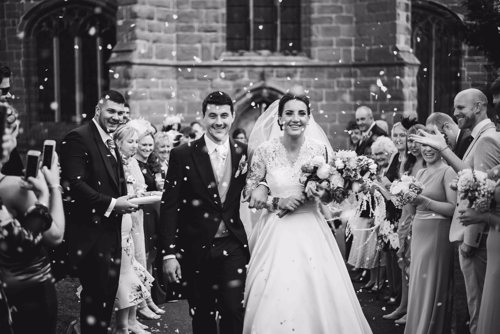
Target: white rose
[318, 161]
[323, 172]
[339, 164]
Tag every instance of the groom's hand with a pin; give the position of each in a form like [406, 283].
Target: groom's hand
[258, 198]
[122, 205]
[172, 269]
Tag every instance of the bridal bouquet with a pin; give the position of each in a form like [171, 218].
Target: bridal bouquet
[475, 187]
[405, 190]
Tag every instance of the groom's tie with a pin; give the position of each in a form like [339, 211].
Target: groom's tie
[221, 156]
[111, 145]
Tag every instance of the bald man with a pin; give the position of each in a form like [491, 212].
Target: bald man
[369, 130]
[483, 153]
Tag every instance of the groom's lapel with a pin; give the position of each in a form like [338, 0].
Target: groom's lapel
[204, 166]
[236, 153]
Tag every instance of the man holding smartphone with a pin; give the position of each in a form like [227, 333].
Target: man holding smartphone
[92, 167]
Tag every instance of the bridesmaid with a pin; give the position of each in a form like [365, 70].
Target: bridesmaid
[489, 320]
[431, 250]
[411, 165]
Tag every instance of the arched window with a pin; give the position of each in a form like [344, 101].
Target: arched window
[72, 42]
[272, 25]
[437, 45]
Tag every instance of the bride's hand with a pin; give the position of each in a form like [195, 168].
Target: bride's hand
[291, 203]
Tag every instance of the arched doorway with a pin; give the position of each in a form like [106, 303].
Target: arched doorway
[437, 44]
[250, 105]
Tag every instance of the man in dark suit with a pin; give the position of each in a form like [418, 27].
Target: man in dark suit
[201, 226]
[458, 140]
[92, 167]
[369, 130]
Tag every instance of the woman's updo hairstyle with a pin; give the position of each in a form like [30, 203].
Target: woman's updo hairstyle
[289, 97]
[123, 132]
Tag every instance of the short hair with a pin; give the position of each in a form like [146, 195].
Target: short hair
[289, 97]
[385, 144]
[439, 119]
[217, 98]
[162, 138]
[495, 87]
[4, 72]
[352, 125]
[124, 131]
[187, 131]
[239, 131]
[112, 95]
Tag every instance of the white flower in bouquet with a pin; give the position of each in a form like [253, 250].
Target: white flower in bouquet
[318, 161]
[475, 187]
[336, 180]
[405, 190]
[345, 155]
[324, 171]
[394, 240]
[339, 164]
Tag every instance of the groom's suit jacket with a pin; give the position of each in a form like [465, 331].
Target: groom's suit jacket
[94, 177]
[482, 154]
[191, 209]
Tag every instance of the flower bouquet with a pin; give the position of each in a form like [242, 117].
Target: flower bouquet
[405, 190]
[475, 187]
[387, 235]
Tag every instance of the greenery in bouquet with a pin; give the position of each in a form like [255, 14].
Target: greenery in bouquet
[405, 190]
[475, 187]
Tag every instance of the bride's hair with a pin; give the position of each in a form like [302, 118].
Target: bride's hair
[288, 97]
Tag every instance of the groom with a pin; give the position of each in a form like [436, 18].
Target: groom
[202, 236]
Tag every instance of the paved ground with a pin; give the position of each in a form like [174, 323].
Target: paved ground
[177, 321]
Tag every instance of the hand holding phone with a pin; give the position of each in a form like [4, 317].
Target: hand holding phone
[48, 153]
[32, 162]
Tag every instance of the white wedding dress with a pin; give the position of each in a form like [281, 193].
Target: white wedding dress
[297, 281]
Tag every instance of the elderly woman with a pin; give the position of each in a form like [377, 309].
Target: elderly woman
[164, 142]
[364, 251]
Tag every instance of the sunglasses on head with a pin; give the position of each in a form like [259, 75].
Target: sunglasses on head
[5, 90]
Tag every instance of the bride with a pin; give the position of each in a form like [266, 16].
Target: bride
[297, 280]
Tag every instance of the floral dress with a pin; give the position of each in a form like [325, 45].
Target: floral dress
[135, 281]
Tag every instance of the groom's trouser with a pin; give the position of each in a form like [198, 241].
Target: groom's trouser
[474, 270]
[218, 287]
[99, 273]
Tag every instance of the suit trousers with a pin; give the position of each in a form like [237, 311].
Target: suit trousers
[99, 273]
[474, 271]
[218, 288]
[459, 317]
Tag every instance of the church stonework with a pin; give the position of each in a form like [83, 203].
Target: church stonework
[168, 54]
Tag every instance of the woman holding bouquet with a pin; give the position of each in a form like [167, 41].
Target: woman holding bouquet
[296, 277]
[489, 321]
[431, 250]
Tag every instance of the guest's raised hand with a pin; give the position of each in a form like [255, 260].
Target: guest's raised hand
[9, 142]
[122, 205]
[470, 217]
[39, 187]
[435, 140]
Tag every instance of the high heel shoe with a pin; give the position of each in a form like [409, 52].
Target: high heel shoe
[153, 307]
[396, 314]
[146, 313]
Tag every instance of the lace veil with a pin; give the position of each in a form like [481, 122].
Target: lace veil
[266, 128]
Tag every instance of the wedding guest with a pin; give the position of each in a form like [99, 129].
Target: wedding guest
[431, 251]
[241, 135]
[354, 134]
[151, 217]
[458, 140]
[411, 165]
[188, 135]
[25, 271]
[163, 146]
[172, 122]
[135, 281]
[489, 321]
[470, 109]
[92, 166]
[197, 129]
[369, 130]
[495, 93]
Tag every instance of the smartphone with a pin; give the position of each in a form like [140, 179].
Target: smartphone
[3, 118]
[48, 152]
[32, 161]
